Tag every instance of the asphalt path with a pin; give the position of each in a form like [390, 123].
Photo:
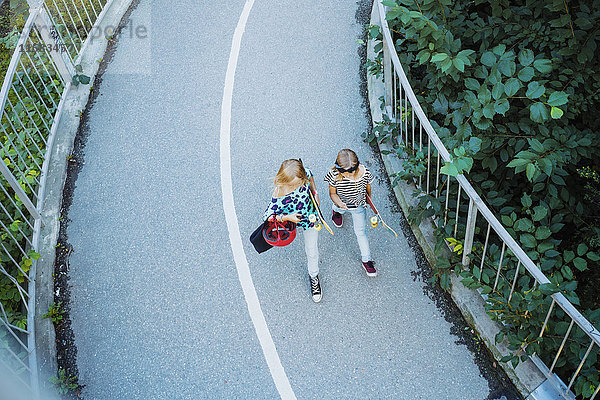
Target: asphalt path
[158, 309]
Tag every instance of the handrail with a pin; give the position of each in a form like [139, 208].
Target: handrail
[592, 332]
[42, 67]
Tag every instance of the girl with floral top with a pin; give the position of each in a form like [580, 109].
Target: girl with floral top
[291, 202]
[349, 184]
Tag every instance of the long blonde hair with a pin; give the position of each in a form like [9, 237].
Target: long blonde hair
[290, 170]
[346, 159]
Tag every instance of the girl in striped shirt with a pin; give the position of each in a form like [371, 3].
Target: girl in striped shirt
[349, 184]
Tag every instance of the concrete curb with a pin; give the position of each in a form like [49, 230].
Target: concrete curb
[526, 376]
[75, 103]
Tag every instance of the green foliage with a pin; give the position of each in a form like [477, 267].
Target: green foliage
[64, 382]
[375, 66]
[26, 121]
[79, 77]
[460, 163]
[12, 20]
[55, 312]
[512, 89]
[385, 131]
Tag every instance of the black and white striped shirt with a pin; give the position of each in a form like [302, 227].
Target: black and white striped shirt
[352, 193]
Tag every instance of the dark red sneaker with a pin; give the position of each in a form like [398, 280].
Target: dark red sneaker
[370, 268]
[337, 219]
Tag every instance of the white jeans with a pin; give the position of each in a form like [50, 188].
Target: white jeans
[359, 220]
[311, 247]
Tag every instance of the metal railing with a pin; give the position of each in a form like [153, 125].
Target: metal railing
[33, 93]
[416, 132]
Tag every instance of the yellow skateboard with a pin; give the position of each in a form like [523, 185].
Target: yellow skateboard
[319, 215]
[378, 216]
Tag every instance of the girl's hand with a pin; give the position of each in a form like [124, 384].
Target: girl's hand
[343, 206]
[293, 217]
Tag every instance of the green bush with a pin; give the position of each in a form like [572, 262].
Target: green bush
[12, 19]
[64, 382]
[512, 89]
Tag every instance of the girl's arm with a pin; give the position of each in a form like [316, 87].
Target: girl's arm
[287, 217]
[313, 189]
[369, 190]
[336, 199]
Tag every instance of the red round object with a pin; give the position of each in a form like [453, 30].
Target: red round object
[279, 233]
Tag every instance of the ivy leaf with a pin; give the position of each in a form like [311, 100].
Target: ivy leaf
[567, 272]
[488, 110]
[506, 358]
[558, 180]
[446, 64]
[506, 220]
[582, 249]
[499, 337]
[518, 162]
[449, 169]
[526, 200]
[500, 49]
[558, 99]
[568, 255]
[512, 86]
[439, 57]
[526, 74]
[395, 13]
[488, 59]
[459, 64]
[33, 254]
[543, 65]
[422, 56]
[524, 225]
[484, 95]
[545, 165]
[474, 144]
[526, 57]
[507, 68]
[497, 90]
[465, 164]
[593, 256]
[542, 232]
[501, 106]
[528, 240]
[539, 212]
[551, 253]
[530, 171]
[536, 145]
[580, 263]
[538, 112]
[535, 90]
[440, 105]
[374, 31]
[556, 112]
[472, 84]
[465, 53]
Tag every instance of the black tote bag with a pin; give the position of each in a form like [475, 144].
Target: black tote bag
[258, 241]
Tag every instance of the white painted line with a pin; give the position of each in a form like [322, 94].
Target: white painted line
[258, 319]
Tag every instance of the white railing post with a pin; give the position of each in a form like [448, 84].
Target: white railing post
[511, 249]
[387, 75]
[46, 30]
[14, 184]
[470, 233]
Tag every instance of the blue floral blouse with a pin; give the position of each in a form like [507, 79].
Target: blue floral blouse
[297, 201]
